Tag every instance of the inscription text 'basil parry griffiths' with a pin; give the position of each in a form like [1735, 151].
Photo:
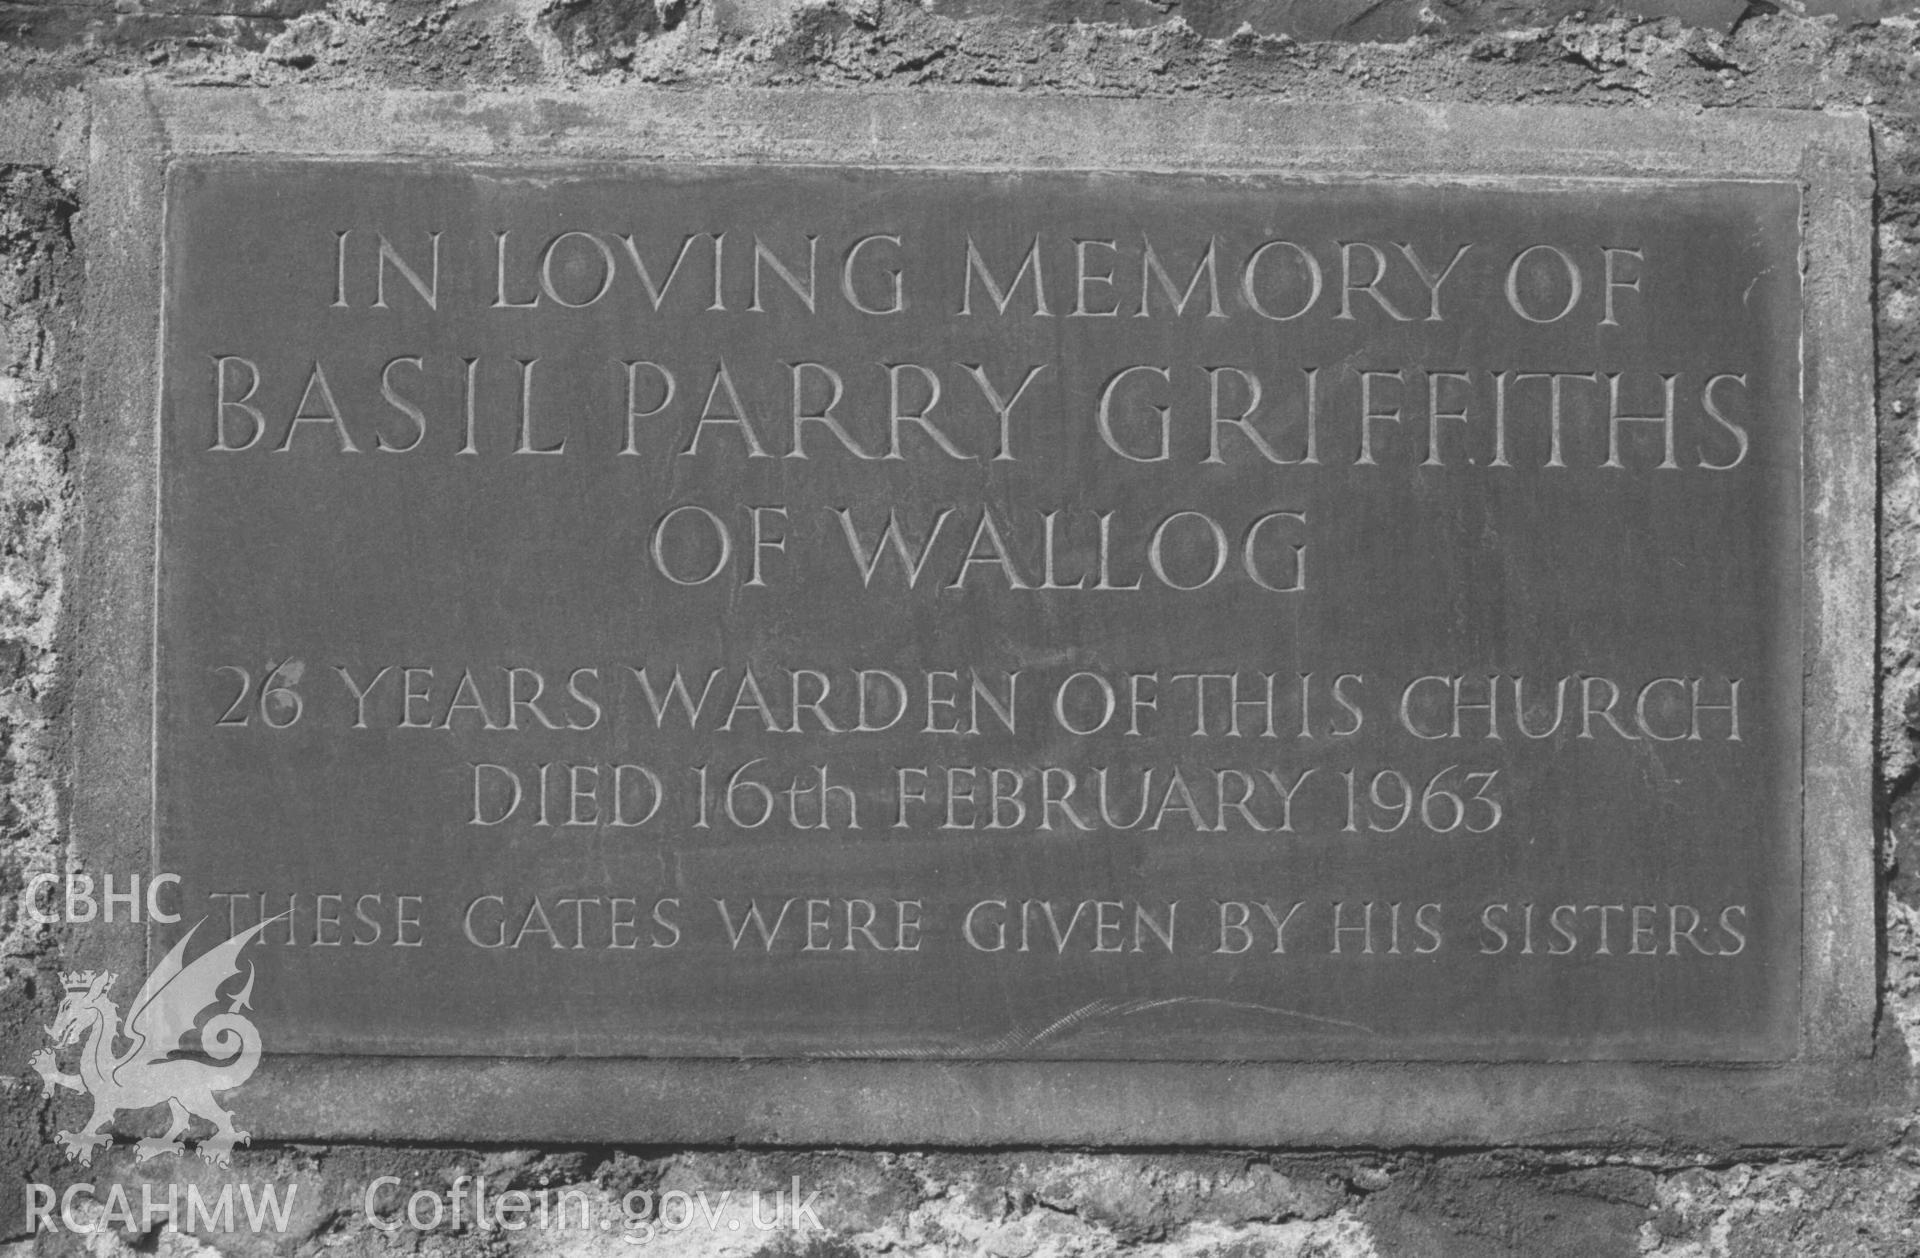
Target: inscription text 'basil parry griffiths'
[823, 611]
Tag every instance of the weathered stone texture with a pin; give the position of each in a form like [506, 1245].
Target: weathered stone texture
[39, 287]
[1840, 54]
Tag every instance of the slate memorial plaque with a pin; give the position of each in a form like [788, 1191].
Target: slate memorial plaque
[665, 610]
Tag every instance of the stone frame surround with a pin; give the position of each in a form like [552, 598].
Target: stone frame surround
[1823, 1095]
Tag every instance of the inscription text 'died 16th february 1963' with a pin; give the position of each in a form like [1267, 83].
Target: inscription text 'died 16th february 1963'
[676, 611]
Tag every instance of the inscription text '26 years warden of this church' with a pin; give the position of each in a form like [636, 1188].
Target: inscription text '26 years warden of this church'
[675, 611]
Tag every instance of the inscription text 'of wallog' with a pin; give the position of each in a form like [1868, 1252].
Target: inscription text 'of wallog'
[675, 611]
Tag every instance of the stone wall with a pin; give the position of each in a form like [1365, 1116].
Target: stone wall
[1673, 54]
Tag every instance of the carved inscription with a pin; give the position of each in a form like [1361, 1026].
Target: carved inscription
[669, 611]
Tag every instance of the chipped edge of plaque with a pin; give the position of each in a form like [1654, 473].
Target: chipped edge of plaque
[1826, 1095]
[1839, 998]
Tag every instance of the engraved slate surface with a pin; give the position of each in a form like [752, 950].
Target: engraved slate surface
[1157, 728]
